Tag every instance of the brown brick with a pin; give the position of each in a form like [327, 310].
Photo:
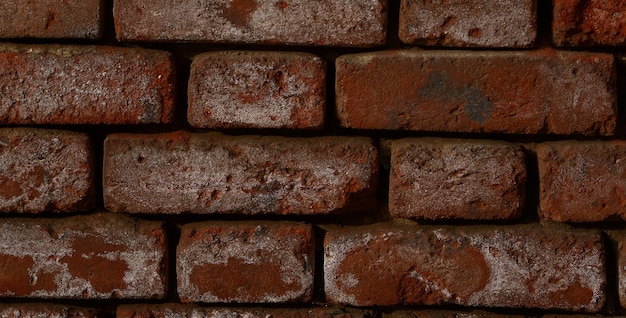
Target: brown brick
[619, 238]
[45, 171]
[246, 262]
[213, 173]
[49, 19]
[506, 266]
[303, 22]
[473, 23]
[55, 84]
[190, 310]
[589, 23]
[436, 178]
[42, 310]
[582, 181]
[445, 314]
[240, 89]
[98, 256]
[536, 92]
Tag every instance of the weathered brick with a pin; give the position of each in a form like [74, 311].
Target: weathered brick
[97, 256]
[445, 314]
[58, 84]
[45, 171]
[213, 173]
[582, 181]
[473, 23]
[507, 266]
[190, 310]
[436, 178]
[47, 19]
[536, 92]
[240, 89]
[246, 262]
[324, 22]
[619, 237]
[589, 23]
[42, 310]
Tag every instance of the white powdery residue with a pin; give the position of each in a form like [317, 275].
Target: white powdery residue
[430, 286]
[227, 313]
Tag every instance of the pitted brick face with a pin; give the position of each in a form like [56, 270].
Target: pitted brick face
[581, 23]
[173, 310]
[352, 23]
[383, 265]
[45, 171]
[246, 89]
[253, 262]
[98, 256]
[44, 310]
[65, 84]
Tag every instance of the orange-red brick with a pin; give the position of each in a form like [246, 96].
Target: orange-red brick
[589, 23]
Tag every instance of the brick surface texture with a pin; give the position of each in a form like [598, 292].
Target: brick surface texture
[456, 179]
[214, 173]
[325, 22]
[381, 265]
[582, 181]
[474, 23]
[244, 89]
[589, 23]
[53, 84]
[253, 262]
[98, 256]
[44, 310]
[463, 91]
[188, 310]
[45, 171]
[46, 19]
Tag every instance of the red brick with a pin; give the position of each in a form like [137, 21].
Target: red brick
[47, 19]
[536, 92]
[473, 23]
[582, 181]
[435, 178]
[213, 173]
[303, 22]
[620, 238]
[506, 266]
[240, 89]
[445, 314]
[245, 262]
[45, 171]
[589, 23]
[42, 310]
[57, 84]
[98, 256]
[189, 310]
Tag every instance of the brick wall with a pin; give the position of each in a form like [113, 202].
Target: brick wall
[298, 158]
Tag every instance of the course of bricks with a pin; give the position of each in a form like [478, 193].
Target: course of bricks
[312, 159]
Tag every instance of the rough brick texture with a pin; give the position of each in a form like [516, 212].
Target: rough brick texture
[47, 19]
[58, 84]
[589, 23]
[445, 314]
[246, 89]
[214, 173]
[253, 262]
[582, 181]
[42, 310]
[324, 22]
[521, 266]
[188, 310]
[474, 23]
[462, 91]
[434, 178]
[98, 256]
[45, 171]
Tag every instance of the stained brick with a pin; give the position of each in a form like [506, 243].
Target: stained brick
[213, 173]
[189, 310]
[245, 262]
[619, 238]
[537, 92]
[98, 256]
[507, 266]
[245, 89]
[589, 23]
[582, 181]
[325, 22]
[47, 19]
[445, 314]
[45, 171]
[474, 23]
[59, 84]
[435, 178]
[43, 310]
